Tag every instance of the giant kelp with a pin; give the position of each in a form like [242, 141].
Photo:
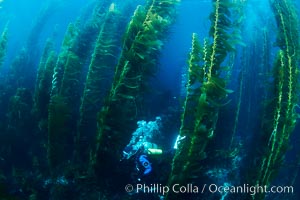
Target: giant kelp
[36, 30]
[100, 72]
[211, 92]
[21, 72]
[67, 85]
[19, 126]
[3, 44]
[195, 81]
[3, 94]
[69, 37]
[58, 113]
[58, 132]
[42, 95]
[281, 116]
[143, 41]
[44, 81]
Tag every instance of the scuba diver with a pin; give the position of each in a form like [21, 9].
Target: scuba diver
[144, 155]
[142, 151]
[143, 158]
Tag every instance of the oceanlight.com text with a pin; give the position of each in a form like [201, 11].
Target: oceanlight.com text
[226, 188]
[247, 189]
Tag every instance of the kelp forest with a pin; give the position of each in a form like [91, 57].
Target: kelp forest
[150, 99]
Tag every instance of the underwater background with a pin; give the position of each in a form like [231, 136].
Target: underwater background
[149, 99]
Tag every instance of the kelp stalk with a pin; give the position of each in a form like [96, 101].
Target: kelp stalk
[280, 123]
[67, 86]
[208, 98]
[3, 44]
[101, 69]
[138, 60]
